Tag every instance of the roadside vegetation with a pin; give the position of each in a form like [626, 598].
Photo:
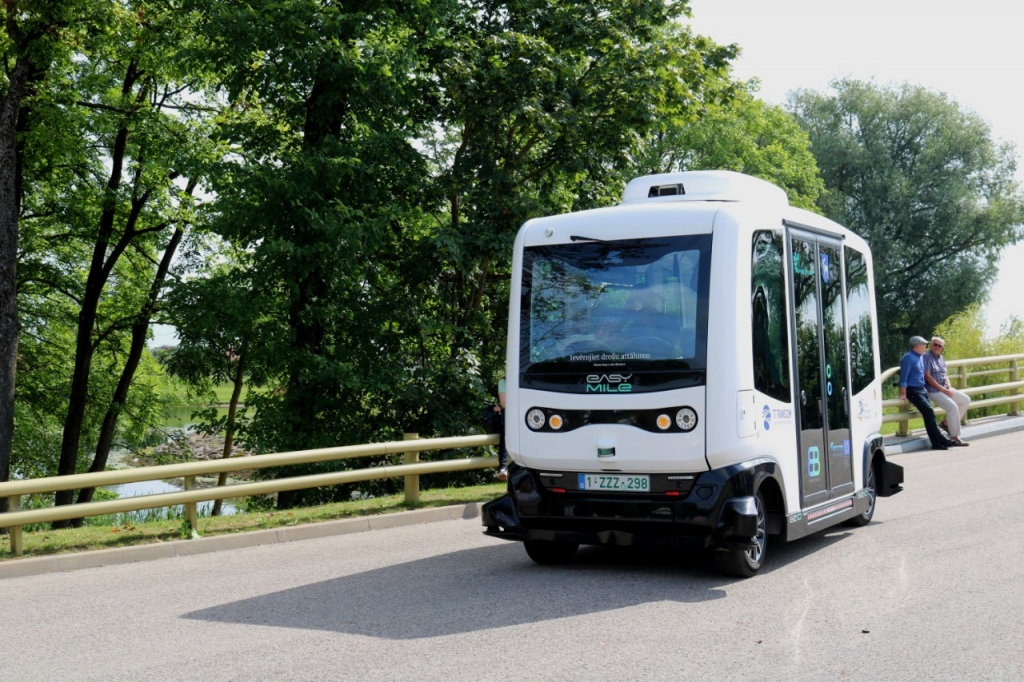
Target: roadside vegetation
[139, 528]
[322, 200]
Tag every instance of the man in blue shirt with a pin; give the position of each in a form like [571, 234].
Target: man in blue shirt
[912, 388]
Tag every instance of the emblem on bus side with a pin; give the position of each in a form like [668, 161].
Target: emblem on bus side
[609, 383]
[813, 461]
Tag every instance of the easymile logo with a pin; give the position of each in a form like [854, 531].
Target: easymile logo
[609, 383]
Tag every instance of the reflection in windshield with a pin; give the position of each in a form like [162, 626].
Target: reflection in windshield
[629, 300]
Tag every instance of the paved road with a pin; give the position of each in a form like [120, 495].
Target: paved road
[933, 589]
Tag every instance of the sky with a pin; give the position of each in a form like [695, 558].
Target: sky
[970, 51]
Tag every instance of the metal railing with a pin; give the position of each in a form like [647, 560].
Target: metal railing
[411, 469]
[959, 376]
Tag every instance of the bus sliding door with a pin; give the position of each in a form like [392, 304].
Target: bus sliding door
[822, 394]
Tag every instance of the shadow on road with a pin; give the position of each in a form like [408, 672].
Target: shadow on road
[493, 587]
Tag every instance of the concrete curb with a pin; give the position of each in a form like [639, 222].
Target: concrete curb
[979, 428]
[16, 568]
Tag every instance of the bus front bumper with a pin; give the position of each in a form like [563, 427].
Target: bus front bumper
[714, 511]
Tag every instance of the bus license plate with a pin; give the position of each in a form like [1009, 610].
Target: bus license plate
[616, 482]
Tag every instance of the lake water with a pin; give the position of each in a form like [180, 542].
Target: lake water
[141, 488]
[177, 419]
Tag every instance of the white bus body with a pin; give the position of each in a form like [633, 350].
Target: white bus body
[696, 366]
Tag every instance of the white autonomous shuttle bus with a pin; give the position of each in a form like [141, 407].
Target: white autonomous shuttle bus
[697, 366]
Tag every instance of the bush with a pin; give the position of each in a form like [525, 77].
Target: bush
[965, 338]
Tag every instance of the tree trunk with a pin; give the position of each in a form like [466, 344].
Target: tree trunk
[9, 209]
[117, 402]
[229, 428]
[99, 271]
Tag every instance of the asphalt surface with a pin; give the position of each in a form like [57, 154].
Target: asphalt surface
[931, 590]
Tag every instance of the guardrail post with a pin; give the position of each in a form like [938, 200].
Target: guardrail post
[191, 508]
[17, 541]
[962, 384]
[412, 483]
[1015, 377]
[903, 426]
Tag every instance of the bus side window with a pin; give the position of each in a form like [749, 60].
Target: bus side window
[768, 319]
[858, 311]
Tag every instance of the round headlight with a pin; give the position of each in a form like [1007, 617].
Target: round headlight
[686, 419]
[555, 422]
[663, 421]
[535, 419]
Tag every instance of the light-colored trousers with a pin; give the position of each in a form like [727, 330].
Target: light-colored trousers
[955, 407]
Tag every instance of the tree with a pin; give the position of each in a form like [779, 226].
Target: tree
[922, 180]
[33, 36]
[742, 133]
[220, 335]
[118, 148]
[389, 154]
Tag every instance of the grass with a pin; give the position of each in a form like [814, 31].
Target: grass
[48, 542]
[890, 428]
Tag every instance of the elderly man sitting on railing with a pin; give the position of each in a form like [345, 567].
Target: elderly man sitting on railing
[954, 402]
[912, 388]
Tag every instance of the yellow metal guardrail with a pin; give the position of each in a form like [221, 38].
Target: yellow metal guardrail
[959, 376]
[411, 470]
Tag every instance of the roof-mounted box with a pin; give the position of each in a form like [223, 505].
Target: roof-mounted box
[702, 186]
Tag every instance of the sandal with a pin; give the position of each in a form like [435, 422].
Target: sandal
[959, 443]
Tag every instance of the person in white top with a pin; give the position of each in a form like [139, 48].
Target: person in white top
[954, 402]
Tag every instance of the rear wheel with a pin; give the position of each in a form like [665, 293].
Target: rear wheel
[865, 518]
[548, 552]
[743, 561]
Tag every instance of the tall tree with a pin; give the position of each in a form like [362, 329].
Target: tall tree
[390, 154]
[740, 133]
[923, 181]
[220, 337]
[545, 105]
[106, 207]
[33, 36]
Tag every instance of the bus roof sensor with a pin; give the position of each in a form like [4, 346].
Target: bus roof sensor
[675, 189]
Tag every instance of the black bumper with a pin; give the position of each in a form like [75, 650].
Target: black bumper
[713, 508]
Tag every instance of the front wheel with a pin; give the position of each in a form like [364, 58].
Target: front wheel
[742, 561]
[865, 518]
[547, 552]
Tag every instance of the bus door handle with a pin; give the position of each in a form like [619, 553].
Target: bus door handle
[803, 398]
[846, 402]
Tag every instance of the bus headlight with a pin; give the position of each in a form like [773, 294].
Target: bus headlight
[555, 422]
[663, 421]
[535, 419]
[686, 419]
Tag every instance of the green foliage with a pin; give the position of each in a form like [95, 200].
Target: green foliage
[921, 179]
[741, 133]
[110, 144]
[965, 338]
[386, 158]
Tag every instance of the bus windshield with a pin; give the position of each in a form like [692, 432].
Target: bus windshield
[636, 306]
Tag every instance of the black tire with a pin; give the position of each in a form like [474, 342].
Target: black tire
[865, 518]
[547, 552]
[742, 561]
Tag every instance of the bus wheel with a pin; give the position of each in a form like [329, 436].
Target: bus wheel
[865, 518]
[548, 552]
[742, 561]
